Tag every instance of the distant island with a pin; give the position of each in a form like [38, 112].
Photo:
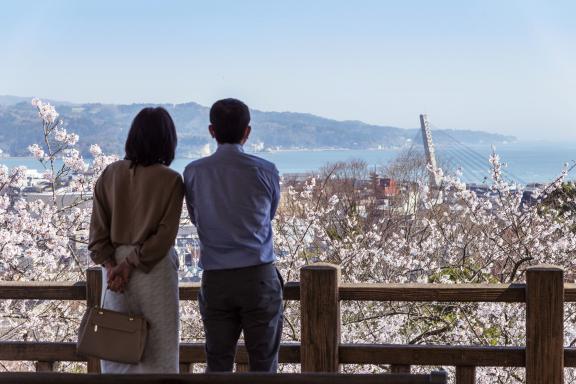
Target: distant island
[107, 125]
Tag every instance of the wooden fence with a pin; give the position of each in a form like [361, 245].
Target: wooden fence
[320, 349]
[223, 378]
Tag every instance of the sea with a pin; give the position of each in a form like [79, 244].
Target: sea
[525, 162]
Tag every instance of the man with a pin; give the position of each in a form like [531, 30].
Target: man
[232, 198]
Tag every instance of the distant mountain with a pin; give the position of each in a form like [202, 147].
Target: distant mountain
[11, 100]
[107, 125]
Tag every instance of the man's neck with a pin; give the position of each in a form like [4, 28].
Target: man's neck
[230, 146]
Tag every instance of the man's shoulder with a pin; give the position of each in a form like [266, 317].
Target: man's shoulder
[261, 163]
[197, 163]
[244, 160]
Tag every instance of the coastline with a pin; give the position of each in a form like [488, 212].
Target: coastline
[529, 161]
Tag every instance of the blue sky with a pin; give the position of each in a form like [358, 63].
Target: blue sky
[500, 66]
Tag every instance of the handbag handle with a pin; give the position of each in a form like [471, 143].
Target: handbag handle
[130, 311]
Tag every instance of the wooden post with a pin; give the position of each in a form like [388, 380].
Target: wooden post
[242, 367]
[242, 359]
[320, 318]
[45, 366]
[465, 375]
[93, 295]
[397, 368]
[545, 325]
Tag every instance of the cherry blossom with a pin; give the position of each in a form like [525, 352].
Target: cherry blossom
[426, 234]
[44, 238]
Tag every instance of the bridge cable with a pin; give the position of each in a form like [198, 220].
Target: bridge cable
[477, 156]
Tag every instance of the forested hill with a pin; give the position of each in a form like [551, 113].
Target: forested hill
[107, 125]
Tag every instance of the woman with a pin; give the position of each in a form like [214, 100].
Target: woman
[135, 219]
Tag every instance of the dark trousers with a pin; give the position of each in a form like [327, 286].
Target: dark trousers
[244, 299]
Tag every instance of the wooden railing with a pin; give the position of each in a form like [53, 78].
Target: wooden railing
[320, 349]
[223, 378]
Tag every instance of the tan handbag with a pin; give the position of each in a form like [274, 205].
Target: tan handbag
[111, 335]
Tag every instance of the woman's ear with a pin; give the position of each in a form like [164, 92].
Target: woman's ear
[211, 130]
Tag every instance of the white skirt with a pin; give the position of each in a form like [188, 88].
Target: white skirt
[153, 295]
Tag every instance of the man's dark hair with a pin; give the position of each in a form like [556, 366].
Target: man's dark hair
[152, 138]
[229, 119]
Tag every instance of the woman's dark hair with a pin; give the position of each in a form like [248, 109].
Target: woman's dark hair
[152, 138]
[229, 119]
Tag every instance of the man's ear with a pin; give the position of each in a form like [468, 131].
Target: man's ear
[211, 130]
[246, 134]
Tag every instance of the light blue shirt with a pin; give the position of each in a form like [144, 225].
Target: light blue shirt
[231, 198]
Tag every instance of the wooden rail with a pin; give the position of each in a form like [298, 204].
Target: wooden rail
[393, 354]
[320, 349]
[466, 293]
[223, 378]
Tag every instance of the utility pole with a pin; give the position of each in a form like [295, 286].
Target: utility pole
[429, 150]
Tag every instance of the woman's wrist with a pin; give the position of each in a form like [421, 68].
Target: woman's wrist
[129, 264]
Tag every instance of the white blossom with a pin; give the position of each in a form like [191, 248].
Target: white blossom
[60, 134]
[46, 111]
[451, 235]
[95, 150]
[73, 160]
[37, 151]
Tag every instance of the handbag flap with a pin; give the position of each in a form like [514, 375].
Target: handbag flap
[116, 320]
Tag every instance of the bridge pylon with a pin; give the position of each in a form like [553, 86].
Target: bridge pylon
[429, 151]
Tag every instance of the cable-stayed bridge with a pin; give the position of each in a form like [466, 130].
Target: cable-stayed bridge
[442, 150]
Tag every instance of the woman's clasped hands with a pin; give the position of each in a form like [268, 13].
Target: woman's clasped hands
[118, 275]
